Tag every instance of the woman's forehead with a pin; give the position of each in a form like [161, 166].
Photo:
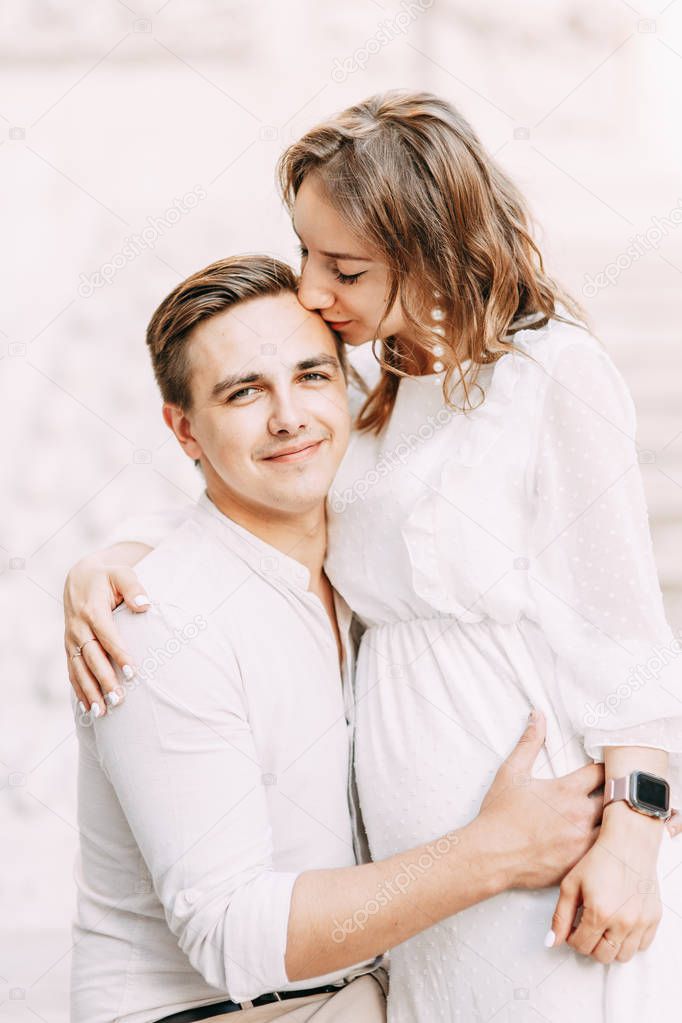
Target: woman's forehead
[316, 221]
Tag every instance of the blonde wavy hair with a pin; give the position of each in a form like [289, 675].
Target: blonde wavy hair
[410, 178]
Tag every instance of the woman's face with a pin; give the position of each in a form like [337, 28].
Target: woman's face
[341, 278]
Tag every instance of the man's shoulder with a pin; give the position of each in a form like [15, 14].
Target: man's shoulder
[190, 569]
[186, 577]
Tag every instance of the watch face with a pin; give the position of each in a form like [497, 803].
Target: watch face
[651, 793]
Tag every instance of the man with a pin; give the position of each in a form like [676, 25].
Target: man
[218, 836]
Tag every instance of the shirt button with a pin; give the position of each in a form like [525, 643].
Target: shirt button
[190, 896]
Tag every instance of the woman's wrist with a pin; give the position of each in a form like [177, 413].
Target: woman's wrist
[629, 831]
[619, 818]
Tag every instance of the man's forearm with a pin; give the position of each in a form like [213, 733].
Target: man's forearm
[344, 916]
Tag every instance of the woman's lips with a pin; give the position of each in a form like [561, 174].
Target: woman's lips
[297, 456]
[338, 325]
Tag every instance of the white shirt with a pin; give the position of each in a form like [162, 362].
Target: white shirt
[221, 777]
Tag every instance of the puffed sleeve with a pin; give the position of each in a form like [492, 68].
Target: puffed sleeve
[593, 579]
[149, 529]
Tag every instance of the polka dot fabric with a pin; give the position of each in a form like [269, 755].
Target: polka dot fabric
[500, 559]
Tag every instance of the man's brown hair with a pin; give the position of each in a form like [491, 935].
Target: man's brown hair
[210, 291]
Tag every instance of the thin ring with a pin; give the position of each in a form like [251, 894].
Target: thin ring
[608, 941]
[79, 649]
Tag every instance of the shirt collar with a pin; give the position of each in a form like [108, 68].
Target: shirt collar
[262, 557]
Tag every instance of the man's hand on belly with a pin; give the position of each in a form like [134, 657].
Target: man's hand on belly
[541, 828]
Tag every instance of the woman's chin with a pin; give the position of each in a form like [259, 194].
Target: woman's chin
[355, 338]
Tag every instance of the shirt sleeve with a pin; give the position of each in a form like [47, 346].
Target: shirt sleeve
[149, 529]
[180, 755]
[593, 577]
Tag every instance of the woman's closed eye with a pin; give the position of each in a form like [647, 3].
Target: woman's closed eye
[348, 278]
[342, 278]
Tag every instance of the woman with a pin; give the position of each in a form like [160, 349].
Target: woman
[488, 528]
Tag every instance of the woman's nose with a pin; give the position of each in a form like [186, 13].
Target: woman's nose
[312, 294]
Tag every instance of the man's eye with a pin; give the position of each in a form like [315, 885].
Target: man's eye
[241, 393]
[318, 376]
[303, 251]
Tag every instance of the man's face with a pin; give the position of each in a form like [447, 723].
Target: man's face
[270, 419]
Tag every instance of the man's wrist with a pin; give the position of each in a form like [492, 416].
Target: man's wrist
[496, 864]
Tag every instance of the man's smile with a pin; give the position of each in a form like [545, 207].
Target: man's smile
[296, 454]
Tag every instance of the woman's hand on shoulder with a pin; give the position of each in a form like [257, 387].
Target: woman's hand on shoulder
[93, 589]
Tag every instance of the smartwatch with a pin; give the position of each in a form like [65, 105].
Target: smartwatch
[646, 793]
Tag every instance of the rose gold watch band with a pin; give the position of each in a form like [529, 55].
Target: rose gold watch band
[616, 788]
[619, 788]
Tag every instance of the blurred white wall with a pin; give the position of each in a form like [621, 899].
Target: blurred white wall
[109, 112]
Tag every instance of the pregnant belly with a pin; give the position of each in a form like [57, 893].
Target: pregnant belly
[439, 706]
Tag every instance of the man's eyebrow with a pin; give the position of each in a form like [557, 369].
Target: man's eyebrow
[318, 360]
[253, 378]
[232, 381]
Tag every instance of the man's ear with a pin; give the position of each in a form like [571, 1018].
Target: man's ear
[176, 420]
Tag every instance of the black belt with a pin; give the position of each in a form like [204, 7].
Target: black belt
[217, 1008]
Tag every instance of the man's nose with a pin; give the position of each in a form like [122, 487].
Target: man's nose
[287, 415]
[312, 292]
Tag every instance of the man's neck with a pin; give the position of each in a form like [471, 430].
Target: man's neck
[302, 537]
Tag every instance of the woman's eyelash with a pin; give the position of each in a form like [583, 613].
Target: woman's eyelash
[341, 277]
[347, 278]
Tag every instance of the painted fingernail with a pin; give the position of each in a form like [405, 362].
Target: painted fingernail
[95, 710]
[112, 699]
[140, 600]
[81, 707]
[550, 938]
[128, 672]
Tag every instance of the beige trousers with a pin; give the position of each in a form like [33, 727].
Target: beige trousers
[361, 1001]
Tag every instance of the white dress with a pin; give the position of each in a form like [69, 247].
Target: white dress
[498, 560]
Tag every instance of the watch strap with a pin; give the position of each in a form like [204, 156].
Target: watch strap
[616, 788]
